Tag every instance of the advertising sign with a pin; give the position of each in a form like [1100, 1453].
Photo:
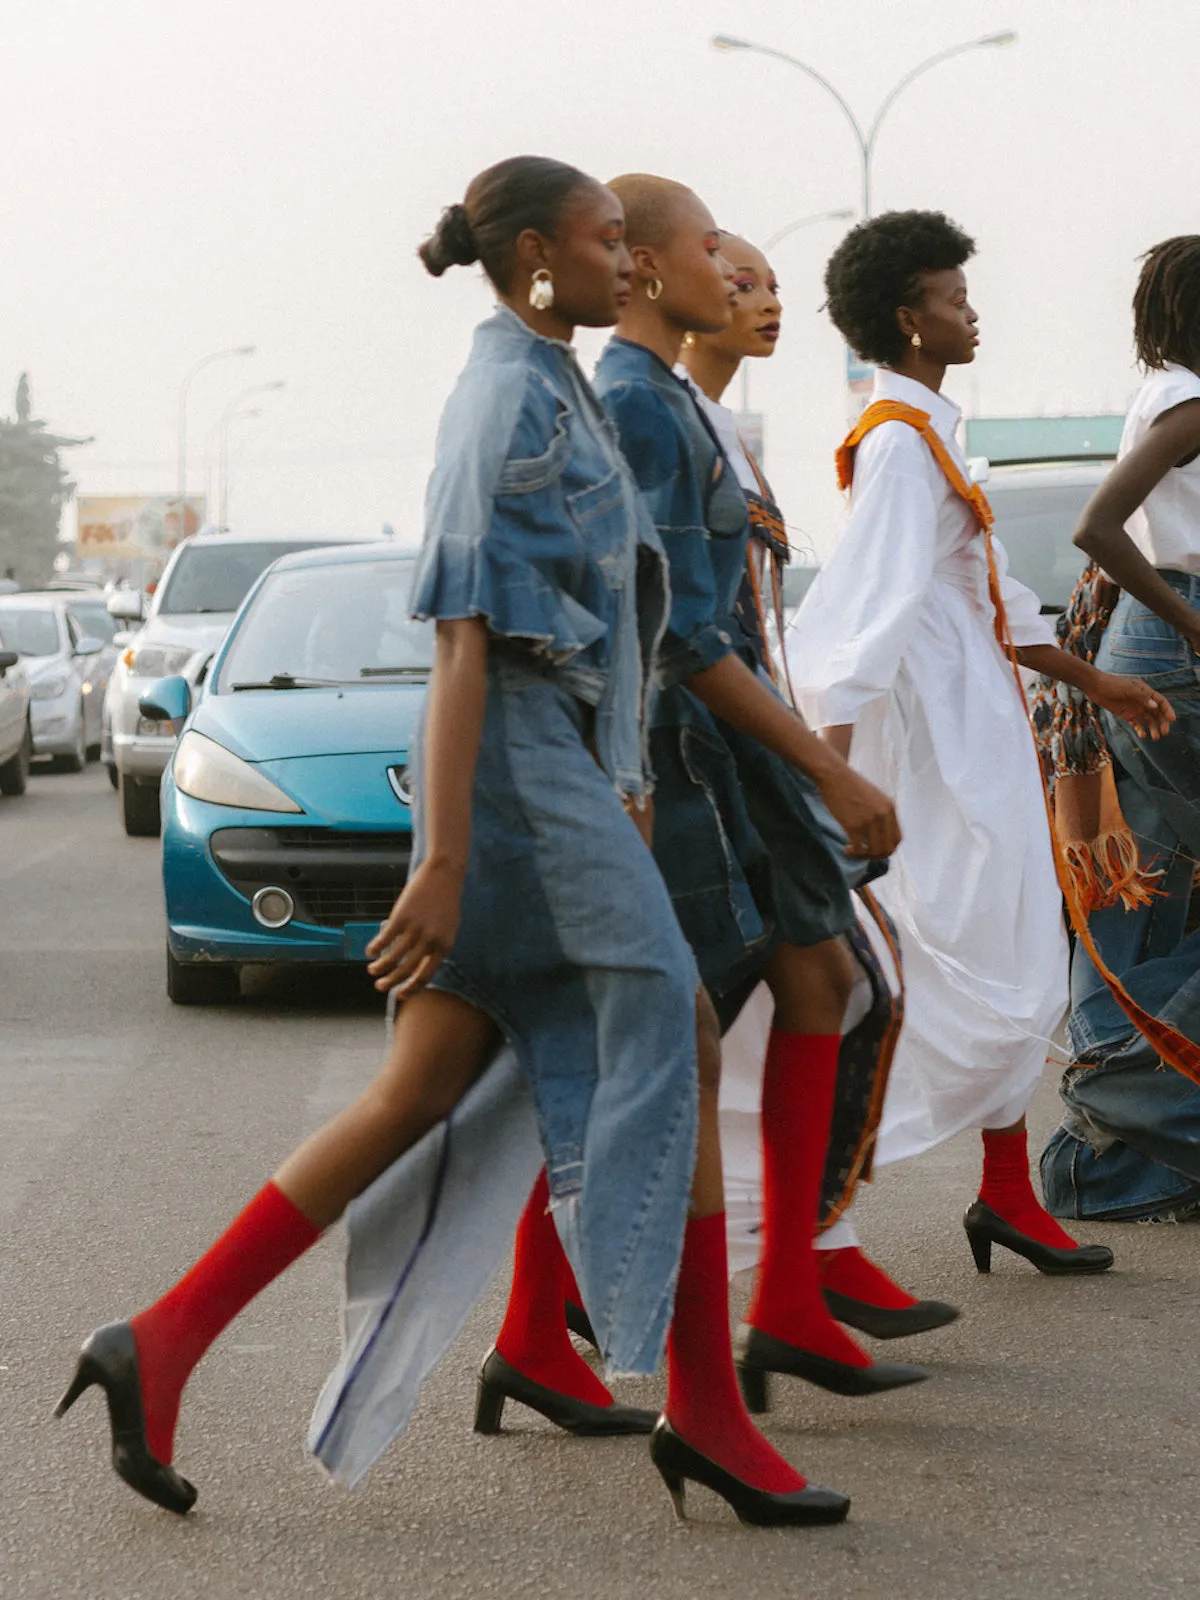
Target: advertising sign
[135, 527]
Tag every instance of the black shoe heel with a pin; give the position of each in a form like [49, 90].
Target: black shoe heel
[677, 1461]
[984, 1228]
[498, 1382]
[580, 1323]
[109, 1359]
[756, 1354]
[753, 1383]
[489, 1406]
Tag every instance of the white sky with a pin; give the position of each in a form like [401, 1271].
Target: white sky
[180, 177]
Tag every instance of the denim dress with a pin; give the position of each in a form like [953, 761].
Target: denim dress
[567, 939]
[746, 845]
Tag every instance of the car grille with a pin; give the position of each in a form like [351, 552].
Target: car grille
[333, 877]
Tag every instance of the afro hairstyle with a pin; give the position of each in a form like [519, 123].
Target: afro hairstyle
[877, 269]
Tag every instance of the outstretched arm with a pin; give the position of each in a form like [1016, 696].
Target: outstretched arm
[423, 925]
[1135, 702]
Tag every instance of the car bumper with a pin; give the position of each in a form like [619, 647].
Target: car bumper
[142, 755]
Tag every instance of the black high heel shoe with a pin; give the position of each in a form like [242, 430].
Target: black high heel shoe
[579, 1322]
[756, 1354]
[889, 1322]
[677, 1461]
[109, 1358]
[984, 1229]
[498, 1382]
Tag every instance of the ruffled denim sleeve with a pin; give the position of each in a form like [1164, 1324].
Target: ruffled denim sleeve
[502, 446]
[660, 457]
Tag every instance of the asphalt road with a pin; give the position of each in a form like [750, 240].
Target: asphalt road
[1053, 1455]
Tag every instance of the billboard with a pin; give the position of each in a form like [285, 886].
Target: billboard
[142, 527]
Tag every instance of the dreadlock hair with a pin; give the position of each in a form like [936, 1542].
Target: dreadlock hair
[1166, 304]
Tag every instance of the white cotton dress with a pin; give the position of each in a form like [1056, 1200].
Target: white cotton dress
[896, 637]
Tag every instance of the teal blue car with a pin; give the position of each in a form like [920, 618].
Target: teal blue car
[287, 828]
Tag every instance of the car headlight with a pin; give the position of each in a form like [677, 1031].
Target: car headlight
[207, 771]
[160, 660]
[50, 687]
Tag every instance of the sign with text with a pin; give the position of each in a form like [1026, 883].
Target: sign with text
[143, 527]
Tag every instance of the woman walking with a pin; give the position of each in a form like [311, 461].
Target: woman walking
[547, 586]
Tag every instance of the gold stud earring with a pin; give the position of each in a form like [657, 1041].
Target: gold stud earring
[541, 290]
[916, 341]
[689, 341]
[654, 288]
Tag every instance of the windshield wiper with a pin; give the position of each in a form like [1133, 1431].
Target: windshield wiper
[285, 680]
[393, 672]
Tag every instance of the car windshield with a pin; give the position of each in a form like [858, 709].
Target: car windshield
[29, 632]
[94, 621]
[1034, 522]
[339, 624]
[218, 577]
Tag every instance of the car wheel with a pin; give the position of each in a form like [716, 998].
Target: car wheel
[93, 752]
[113, 775]
[77, 760]
[201, 983]
[139, 808]
[14, 774]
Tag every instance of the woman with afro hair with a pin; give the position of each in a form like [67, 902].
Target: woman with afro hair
[897, 656]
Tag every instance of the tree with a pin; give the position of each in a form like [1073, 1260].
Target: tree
[34, 487]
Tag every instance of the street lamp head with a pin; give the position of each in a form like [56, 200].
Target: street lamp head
[725, 41]
[1007, 37]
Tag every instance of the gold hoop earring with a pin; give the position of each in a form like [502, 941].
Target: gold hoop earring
[916, 341]
[541, 290]
[654, 289]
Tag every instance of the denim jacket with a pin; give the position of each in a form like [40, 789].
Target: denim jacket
[693, 496]
[533, 522]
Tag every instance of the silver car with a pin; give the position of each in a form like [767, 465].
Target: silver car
[16, 731]
[204, 583]
[56, 652]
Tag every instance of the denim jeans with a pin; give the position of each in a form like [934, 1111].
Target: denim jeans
[1129, 1145]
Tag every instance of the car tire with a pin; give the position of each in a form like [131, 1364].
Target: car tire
[201, 983]
[77, 760]
[114, 776]
[14, 774]
[93, 752]
[139, 808]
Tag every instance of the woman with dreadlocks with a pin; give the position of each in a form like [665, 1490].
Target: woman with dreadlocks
[1130, 1143]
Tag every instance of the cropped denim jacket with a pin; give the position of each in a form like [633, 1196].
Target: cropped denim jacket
[534, 523]
[694, 498]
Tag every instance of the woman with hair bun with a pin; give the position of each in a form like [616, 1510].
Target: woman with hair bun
[546, 583]
[901, 647]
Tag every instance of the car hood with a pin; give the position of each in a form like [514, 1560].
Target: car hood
[42, 666]
[285, 724]
[199, 630]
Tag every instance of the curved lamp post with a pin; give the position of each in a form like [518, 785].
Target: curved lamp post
[207, 361]
[227, 417]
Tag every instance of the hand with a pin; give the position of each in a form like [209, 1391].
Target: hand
[642, 816]
[422, 927]
[1149, 713]
[864, 811]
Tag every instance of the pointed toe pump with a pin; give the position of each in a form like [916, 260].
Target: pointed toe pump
[757, 1355]
[678, 1462]
[889, 1322]
[984, 1229]
[109, 1359]
[498, 1382]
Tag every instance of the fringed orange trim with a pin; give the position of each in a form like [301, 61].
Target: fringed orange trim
[1107, 870]
[1174, 1047]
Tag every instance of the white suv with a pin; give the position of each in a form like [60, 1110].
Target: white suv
[204, 583]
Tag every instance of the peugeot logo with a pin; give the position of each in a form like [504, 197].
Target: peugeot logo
[400, 779]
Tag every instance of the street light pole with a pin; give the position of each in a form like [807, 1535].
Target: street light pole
[223, 442]
[866, 138]
[181, 481]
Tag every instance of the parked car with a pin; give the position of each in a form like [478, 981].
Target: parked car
[1037, 508]
[204, 583]
[16, 727]
[286, 820]
[56, 652]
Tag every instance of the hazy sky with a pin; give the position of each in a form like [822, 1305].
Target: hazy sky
[181, 177]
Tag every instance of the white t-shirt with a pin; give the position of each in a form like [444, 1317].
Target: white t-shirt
[1166, 526]
[725, 428]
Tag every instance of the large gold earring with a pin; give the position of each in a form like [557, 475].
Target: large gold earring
[916, 341]
[654, 289]
[541, 290]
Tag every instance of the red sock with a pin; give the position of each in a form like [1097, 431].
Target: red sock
[534, 1337]
[1007, 1188]
[849, 1272]
[797, 1108]
[704, 1403]
[173, 1333]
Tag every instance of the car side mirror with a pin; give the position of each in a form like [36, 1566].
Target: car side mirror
[126, 604]
[8, 658]
[89, 645]
[167, 700]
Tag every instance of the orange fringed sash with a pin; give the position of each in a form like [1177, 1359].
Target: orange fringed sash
[1172, 1046]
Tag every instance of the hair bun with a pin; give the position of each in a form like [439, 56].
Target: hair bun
[452, 243]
